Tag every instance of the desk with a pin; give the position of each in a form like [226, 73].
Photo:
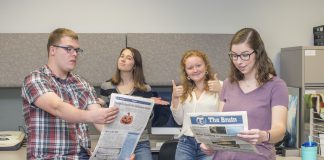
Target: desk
[156, 144]
[22, 152]
[14, 155]
[21, 155]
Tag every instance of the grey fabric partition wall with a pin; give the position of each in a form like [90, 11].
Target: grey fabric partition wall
[102, 50]
[162, 52]
[22, 53]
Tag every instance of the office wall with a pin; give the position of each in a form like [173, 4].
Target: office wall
[280, 23]
[11, 115]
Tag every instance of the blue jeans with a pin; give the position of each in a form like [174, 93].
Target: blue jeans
[83, 154]
[189, 149]
[143, 151]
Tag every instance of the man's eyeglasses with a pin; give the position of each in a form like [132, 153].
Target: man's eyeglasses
[70, 50]
[244, 56]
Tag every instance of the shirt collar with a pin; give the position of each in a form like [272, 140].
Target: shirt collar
[49, 72]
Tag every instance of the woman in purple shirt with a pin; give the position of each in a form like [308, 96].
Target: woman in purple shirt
[253, 87]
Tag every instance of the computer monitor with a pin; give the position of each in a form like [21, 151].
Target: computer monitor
[163, 122]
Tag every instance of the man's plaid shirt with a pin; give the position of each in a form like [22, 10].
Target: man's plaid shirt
[50, 137]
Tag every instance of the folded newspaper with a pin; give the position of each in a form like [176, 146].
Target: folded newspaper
[118, 140]
[219, 130]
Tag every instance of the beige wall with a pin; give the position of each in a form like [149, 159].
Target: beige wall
[282, 23]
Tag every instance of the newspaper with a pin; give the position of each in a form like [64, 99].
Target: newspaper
[219, 130]
[119, 139]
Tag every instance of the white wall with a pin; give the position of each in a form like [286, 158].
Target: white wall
[281, 23]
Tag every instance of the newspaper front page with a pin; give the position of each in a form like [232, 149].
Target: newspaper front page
[118, 140]
[219, 130]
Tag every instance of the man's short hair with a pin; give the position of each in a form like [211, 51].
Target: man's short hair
[58, 34]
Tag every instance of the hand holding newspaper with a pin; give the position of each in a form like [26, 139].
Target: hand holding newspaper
[218, 130]
[119, 139]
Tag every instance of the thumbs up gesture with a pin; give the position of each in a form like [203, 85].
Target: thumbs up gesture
[214, 85]
[177, 90]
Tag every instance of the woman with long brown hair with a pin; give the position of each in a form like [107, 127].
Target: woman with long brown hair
[253, 86]
[129, 80]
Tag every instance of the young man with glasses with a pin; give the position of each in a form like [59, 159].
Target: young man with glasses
[58, 103]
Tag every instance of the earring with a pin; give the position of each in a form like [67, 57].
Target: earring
[206, 72]
[188, 78]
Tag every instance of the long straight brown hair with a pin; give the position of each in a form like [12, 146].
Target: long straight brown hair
[263, 63]
[138, 73]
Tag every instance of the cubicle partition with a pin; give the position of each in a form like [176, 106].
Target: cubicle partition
[21, 53]
[162, 53]
[101, 53]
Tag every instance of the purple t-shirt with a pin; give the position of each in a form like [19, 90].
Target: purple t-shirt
[258, 104]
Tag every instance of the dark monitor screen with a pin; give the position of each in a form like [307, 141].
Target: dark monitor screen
[163, 121]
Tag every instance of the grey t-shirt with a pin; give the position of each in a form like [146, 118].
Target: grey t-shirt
[258, 104]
